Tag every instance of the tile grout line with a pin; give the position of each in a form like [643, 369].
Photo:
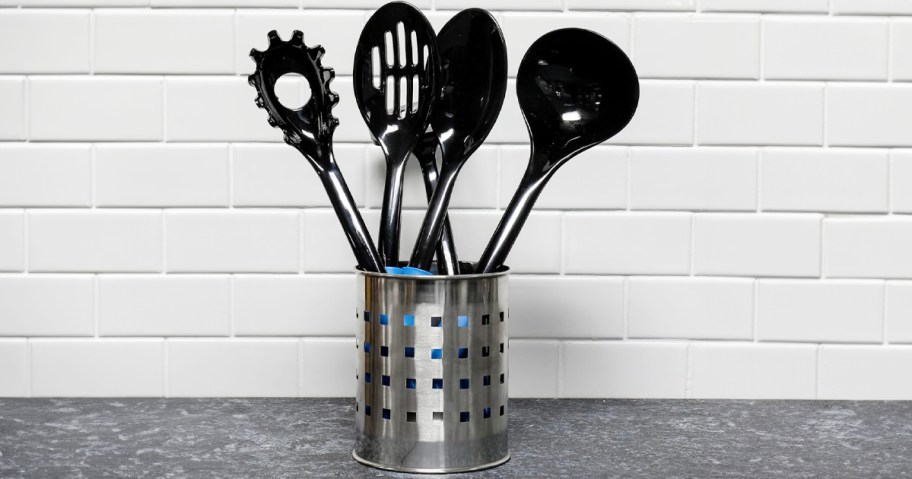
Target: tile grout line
[92, 42]
[27, 107]
[890, 23]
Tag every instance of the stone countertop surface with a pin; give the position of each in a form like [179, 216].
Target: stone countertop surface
[309, 438]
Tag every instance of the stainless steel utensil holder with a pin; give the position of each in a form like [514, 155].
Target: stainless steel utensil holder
[432, 372]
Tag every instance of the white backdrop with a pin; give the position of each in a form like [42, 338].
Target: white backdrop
[746, 237]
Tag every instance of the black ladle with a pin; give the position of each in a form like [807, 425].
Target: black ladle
[395, 91]
[310, 129]
[576, 89]
[473, 83]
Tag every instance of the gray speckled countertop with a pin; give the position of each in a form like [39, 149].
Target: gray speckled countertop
[305, 438]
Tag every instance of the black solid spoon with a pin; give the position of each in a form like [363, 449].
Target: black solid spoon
[576, 89]
[473, 83]
[310, 129]
[395, 81]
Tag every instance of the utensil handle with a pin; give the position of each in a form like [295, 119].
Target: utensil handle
[435, 228]
[391, 212]
[351, 220]
[513, 219]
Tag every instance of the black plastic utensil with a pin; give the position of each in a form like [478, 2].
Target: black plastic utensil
[473, 83]
[426, 153]
[310, 128]
[576, 89]
[395, 80]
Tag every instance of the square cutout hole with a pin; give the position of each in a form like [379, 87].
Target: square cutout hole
[438, 415]
[409, 352]
[410, 416]
[436, 321]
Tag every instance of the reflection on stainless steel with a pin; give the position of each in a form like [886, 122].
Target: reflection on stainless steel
[431, 371]
[576, 89]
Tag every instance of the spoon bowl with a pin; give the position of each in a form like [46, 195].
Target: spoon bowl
[576, 89]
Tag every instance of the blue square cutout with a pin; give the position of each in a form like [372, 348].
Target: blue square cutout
[436, 354]
[386, 414]
[486, 412]
[463, 353]
[411, 383]
[462, 321]
[384, 319]
[409, 352]
[408, 320]
[437, 383]
[367, 378]
[367, 347]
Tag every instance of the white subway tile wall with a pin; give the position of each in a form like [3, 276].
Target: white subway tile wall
[747, 236]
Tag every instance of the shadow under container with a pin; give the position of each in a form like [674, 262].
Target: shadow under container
[432, 356]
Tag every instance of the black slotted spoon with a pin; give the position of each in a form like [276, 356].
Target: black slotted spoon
[395, 81]
[310, 129]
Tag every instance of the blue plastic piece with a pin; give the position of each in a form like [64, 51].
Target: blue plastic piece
[408, 271]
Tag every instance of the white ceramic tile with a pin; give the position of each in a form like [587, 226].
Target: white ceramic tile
[864, 372]
[95, 241]
[325, 247]
[537, 250]
[871, 7]
[97, 368]
[627, 243]
[867, 247]
[164, 41]
[596, 179]
[77, 3]
[760, 114]
[629, 369]
[820, 311]
[220, 109]
[533, 369]
[161, 175]
[12, 96]
[99, 108]
[278, 175]
[236, 241]
[238, 368]
[225, 3]
[901, 181]
[501, 4]
[372, 4]
[901, 48]
[14, 377]
[27, 309]
[757, 245]
[566, 307]
[520, 30]
[899, 312]
[823, 48]
[664, 115]
[704, 46]
[286, 305]
[337, 31]
[849, 180]
[34, 174]
[163, 305]
[44, 41]
[771, 6]
[753, 371]
[328, 367]
[693, 178]
[12, 240]
[632, 5]
[869, 115]
[510, 126]
[706, 308]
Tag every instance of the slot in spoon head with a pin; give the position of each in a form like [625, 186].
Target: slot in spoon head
[576, 89]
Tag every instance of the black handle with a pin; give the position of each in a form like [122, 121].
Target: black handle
[391, 212]
[352, 223]
[447, 260]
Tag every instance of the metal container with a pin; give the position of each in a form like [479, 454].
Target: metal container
[431, 372]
